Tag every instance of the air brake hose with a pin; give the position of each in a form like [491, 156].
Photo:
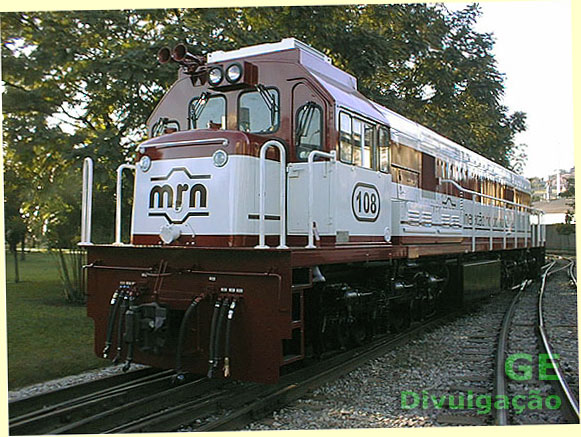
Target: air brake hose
[182, 332]
[113, 307]
[212, 335]
[120, 328]
[218, 338]
[130, 332]
[227, 341]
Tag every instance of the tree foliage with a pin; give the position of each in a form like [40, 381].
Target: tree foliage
[83, 83]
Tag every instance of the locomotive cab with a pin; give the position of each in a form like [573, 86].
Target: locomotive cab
[198, 177]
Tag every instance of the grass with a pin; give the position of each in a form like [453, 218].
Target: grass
[47, 337]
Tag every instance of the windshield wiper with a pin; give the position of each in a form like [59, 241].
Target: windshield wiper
[270, 102]
[305, 120]
[199, 106]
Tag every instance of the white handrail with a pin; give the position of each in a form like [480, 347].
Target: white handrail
[476, 193]
[118, 202]
[333, 157]
[262, 195]
[87, 202]
[508, 202]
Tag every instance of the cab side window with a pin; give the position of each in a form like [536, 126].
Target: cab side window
[309, 130]
[164, 126]
[345, 138]
[383, 150]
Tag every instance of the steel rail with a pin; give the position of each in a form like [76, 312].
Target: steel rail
[572, 273]
[137, 406]
[44, 420]
[501, 415]
[296, 384]
[571, 406]
[34, 404]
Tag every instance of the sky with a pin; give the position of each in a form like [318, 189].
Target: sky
[534, 49]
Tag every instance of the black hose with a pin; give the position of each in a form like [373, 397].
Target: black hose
[218, 338]
[182, 332]
[227, 341]
[212, 335]
[120, 328]
[130, 333]
[113, 307]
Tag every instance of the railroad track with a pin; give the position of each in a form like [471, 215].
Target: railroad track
[523, 330]
[97, 406]
[514, 324]
[478, 354]
[150, 402]
[566, 385]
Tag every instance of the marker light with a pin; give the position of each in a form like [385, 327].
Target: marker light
[220, 158]
[145, 163]
[215, 76]
[233, 73]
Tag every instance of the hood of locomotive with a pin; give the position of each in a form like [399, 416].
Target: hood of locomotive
[201, 188]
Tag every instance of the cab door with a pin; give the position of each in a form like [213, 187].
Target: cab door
[308, 121]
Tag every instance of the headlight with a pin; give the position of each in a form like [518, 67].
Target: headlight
[220, 158]
[145, 163]
[233, 73]
[215, 76]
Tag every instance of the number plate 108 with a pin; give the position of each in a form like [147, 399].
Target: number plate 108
[365, 202]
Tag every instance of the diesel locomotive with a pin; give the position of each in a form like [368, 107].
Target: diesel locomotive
[278, 213]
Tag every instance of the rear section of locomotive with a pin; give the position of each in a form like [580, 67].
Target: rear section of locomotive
[277, 213]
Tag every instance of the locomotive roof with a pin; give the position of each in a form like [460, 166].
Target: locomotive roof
[343, 88]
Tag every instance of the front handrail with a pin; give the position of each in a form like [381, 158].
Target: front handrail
[332, 156]
[119, 190]
[87, 202]
[262, 195]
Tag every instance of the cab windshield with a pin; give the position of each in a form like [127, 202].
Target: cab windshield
[258, 111]
[207, 111]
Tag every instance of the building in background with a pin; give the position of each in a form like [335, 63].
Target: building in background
[558, 183]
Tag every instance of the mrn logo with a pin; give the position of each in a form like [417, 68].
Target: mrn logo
[176, 199]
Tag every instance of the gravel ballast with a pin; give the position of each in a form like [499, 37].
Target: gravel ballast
[371, 396]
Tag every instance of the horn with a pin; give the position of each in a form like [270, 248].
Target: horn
[164, 55]
[180, 54]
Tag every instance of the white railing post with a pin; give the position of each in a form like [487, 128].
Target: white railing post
[543, 230]
[505, 218]
[526, 229]
[118, 201]
[473, 223]
[331, 156]
[515, 227]
[491, 229]
[516, 215]
[539, 243]
[262, 195]
[87, 202]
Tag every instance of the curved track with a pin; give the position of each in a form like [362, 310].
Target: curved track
[569, 404]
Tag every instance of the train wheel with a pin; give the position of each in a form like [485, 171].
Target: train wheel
[400, 318]
[357, 333]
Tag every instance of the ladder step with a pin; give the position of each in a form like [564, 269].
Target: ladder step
[287, 359]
